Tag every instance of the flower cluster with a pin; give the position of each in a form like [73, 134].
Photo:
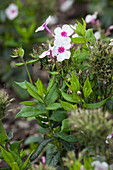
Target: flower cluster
[62, 42]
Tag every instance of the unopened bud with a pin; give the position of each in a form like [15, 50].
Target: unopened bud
[79, 93]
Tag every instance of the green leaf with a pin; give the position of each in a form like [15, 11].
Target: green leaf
[27, 161]
[82, 57]
[51, 83]
[15, 166]
[87, 90]
[33, 139]
[75, 85]
[53, 73]
[95, 105]
[19, 64]
[10, 135]
[65, 125]
[54, 106]
[29, 103]
[40, 148]
[64, 136]
[58, 116]
[90, 36]
[7, 157]
[79, 40]
[32, 90]
[69, 97]
[3, 135]
[68, 146]
[15, 146]
[22, 85]
[29, 111]
[52, 155]
[68, 106]
[43, 130]
[53, 95]
[40, 87]
[32, 61]
[17, 158]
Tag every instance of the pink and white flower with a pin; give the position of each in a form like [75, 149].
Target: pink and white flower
[63, 32]
[61, 50]
[100, 165]
[11, 11]
[48, 52]
[91, 18]
[44, 26]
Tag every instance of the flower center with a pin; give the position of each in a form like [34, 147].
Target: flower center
[13, 11]
[64, 34]
[61, 49]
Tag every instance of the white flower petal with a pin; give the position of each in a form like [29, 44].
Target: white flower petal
[88, 18]
[48, 20]
[61, 57]
[66, 5]
[67, 29]
[54, 20]
[54, 51]
[63, 42]
[11, 11]
[58, 31]
[74, 35]
[41, 28]
[97, 35]
[44, 54]
[67, 54]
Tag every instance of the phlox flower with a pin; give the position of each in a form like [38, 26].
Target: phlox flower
[48, 52]
[109, 137]
[66, 5]
[63, 32]
[61, 50]
[44, 25]
[91, 18]
[111, 42]
[100, 165]
[11, 11]
[97, 35]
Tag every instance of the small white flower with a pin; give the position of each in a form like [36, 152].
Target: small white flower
[44, 26]
[11, 11]
[100, 165]
[63, 32]
[61, 50]
[97, 35]
[111, 42]
[90, 18]
[109, 137]
[54, 20]
[66, 5]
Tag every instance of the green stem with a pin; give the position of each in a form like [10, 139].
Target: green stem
[27, 70]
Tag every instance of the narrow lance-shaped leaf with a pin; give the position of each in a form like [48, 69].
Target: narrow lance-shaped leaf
[7, 157]
[29, 111]
[40, 148]
[53, 95]
[87, 90]
[32, 90]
